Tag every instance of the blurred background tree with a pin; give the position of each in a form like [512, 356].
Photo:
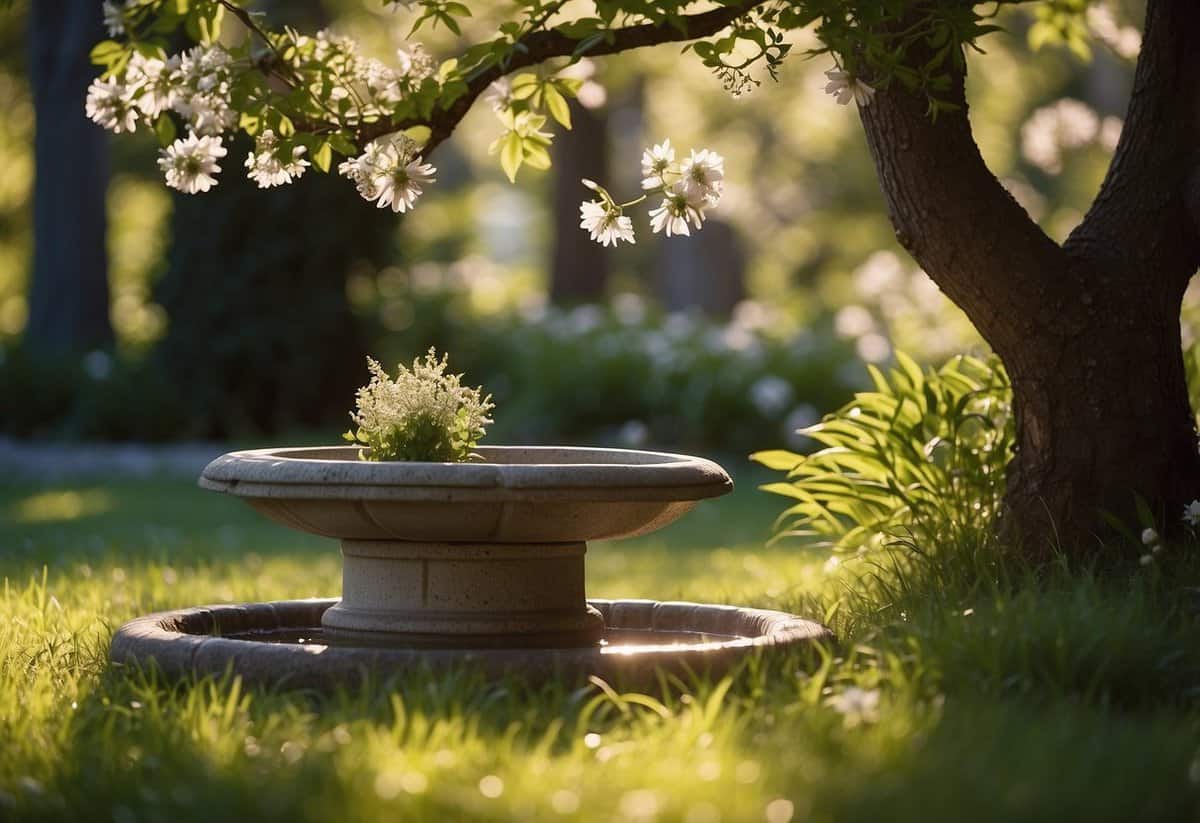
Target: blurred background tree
[239, 327]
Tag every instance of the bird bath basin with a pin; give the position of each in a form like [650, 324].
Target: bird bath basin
[446, 562]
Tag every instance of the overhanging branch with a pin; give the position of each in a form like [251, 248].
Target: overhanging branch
[540, 46]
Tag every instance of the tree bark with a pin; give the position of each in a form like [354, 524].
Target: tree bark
[68, 302]
[1088, 331]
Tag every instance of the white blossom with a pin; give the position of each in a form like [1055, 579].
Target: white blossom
[108, 104]
[390, 172]
[1124, 40]
[1149, 537]
[265, 167]
[190, 163]
[605, 223]
[846, 87]
[150, 82]
[702, 177]
[415, 63]
[403, 184]
[672, 216]
[201, 89]
[114, 17]
[856, 704]
[362, 169]
[655, 164]
[1191, 513]
[498, 96]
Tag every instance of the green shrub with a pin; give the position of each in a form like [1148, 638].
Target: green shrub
[919, 460]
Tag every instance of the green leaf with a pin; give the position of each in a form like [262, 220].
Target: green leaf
[536, 156]
[164, 127]
[323, 156]
[511, 155]
[106, 52]
[556, 104]
[342, 144]
[778, 459]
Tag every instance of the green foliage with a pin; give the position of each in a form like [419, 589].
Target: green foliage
[921, 460]
[315, 95]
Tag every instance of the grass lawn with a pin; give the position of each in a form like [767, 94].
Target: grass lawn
[1068, 698]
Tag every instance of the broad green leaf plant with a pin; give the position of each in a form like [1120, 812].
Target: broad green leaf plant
[919, 461]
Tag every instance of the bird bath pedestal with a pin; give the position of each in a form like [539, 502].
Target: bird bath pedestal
[443, 562]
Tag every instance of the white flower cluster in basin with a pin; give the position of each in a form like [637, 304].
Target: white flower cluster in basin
[424, 414]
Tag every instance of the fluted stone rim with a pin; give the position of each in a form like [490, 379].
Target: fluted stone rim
[187, 642]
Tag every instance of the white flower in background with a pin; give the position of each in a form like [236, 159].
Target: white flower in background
[629, 308]
[672, 216]
[634, 434]
[655, 164]
[1065, 124]
[1191, 513]
[97, 364]
[1124, 40]
[853, 321]
[605, 223]
[1149, 537]
[114, 17]
[590, 94]
[266, 169]
[702, 177]
[109, 106]
[150, 82]
[846, 87]
[856, 704]
[498, 95]
[190, 163]
[770, 394]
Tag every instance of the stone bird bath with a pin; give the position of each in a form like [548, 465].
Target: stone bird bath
[452, 562]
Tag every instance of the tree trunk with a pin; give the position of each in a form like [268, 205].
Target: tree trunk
[1089, 330]
[1102, 417]
[578, 268]
[707, 271]
[68, 302]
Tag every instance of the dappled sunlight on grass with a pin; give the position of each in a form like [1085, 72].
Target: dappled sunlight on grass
[68, 504]
[1060, 700]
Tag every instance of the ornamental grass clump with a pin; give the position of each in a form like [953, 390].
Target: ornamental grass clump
[422, 415]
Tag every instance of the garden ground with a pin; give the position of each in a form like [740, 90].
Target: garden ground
[999, 697]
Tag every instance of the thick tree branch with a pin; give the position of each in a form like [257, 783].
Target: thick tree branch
[955, 218]
[540, 46]
[1147, 195]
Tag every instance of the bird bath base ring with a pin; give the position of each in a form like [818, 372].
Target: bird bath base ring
[281, 643]
[447, 564]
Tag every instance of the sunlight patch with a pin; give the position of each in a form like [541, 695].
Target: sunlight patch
[53, 506]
